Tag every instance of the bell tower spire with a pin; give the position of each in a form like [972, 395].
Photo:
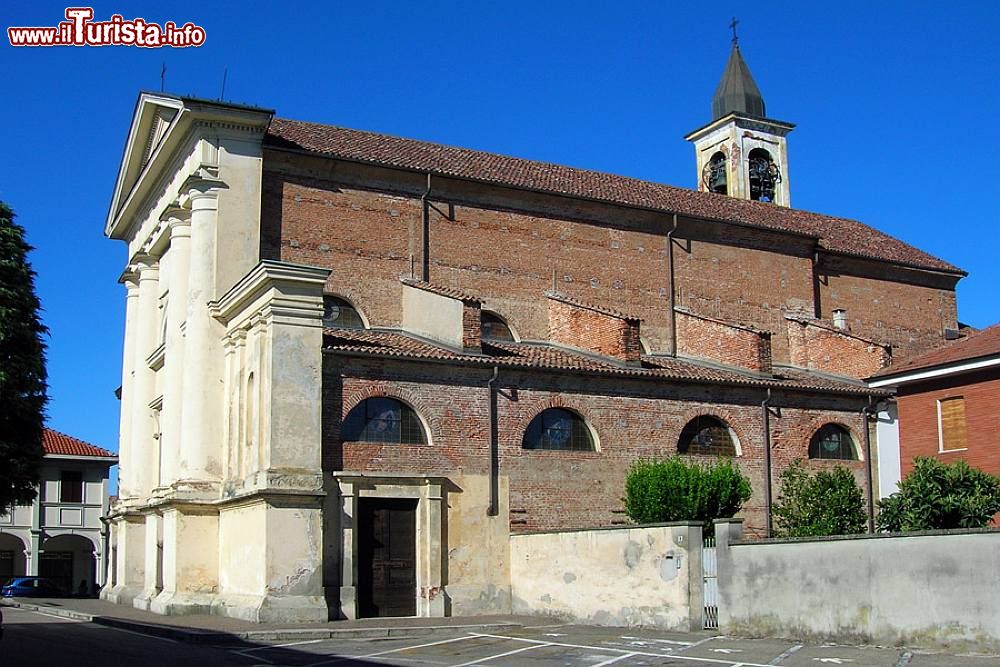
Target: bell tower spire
[742, 153]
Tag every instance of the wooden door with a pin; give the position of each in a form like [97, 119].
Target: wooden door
[387, 554]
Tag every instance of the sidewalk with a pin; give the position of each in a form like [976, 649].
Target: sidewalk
[204, 628]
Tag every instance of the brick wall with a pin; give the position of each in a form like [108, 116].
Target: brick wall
[508, 247]
[555, 489]
[723, 342]
[587, 328]
[918, 422]
[822, 347]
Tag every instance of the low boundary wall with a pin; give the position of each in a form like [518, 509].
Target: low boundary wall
[938, 589]
[631, 576]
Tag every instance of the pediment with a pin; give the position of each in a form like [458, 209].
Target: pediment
[154, 115]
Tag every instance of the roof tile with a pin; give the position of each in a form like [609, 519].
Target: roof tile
[840, 235]
[394, 344]
[55, 442]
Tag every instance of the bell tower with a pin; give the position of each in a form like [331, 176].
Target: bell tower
[742, 153]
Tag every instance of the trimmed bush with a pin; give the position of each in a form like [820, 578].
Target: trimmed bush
[937, 496]
[675, 490]
[827, 503]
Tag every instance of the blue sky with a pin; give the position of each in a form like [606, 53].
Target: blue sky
[895, 105]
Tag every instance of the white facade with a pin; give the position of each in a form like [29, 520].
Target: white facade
[60, 535]
[221, 483]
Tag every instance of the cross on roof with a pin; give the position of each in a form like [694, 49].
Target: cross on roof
[733, 25]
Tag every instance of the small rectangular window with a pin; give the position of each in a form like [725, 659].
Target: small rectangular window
[71, 487]
[951, 424]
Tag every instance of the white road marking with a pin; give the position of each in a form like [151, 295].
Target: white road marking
[833, 661]
[793, 649]
[139, 634]
[675, 656]
[727, 651]
[343, 658]
[555, 634]
[611, 661]
[266, 648]
[61, 618]
[501, 655]
[660, 641]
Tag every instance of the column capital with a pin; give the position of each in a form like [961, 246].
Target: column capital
[202, 187]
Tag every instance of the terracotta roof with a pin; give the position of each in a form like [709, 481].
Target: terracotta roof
[840, 235]
[55, 442]
[572, 301]
[983, 343]
[441, 290]
[397, 345]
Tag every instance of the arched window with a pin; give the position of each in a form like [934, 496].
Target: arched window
[832, 441]
[340, 314]
[557, 428]
[383, 419]
[494, 328]
[764, 175]
[714, 174]
[707, 435]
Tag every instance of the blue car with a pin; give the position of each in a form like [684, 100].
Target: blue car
[31, 587]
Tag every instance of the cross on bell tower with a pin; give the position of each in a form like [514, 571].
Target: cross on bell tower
[742, 153]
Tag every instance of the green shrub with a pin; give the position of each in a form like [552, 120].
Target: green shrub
[940, 495]
[675, 490]
[827, 503]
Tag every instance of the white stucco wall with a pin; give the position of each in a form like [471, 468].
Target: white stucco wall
[938, 590]
[648, 575]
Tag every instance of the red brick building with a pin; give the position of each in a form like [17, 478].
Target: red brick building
[500, 340]
[948, 402]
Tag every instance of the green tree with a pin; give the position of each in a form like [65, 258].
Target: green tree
[938, 495]
[675, 490]
[22, 368]
[827, 503]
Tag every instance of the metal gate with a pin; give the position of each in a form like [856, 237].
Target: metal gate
[710, 571]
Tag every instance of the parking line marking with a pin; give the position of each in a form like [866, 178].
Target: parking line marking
[266, 648]
[502, 655]
[606, 649]
[611, 661]
[793, 649]
[343, 658]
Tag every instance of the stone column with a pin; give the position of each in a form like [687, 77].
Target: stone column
[727, 531]
[179, 252]
[431, 593]
[142, 464]
[153, 568]
[198, 464]
[348, 551]
[125, 479]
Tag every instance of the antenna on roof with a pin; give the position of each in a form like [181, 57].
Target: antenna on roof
[733, 25]
[163, 75]
[225, 72]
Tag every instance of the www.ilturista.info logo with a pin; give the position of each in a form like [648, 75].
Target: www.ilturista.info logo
[79, 29]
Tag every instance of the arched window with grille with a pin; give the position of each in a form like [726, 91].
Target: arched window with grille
[339, 313]
[833, 441]
[383, 419]
[495, 328]
[764, 175]
[559, 429]
[708, 436]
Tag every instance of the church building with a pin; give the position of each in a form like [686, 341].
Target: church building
[355, 364]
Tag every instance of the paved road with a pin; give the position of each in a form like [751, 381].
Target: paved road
[34, 638]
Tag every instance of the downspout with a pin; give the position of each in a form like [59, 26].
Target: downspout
[765, 412]
[866, 413]
[672, 340]
[494, 507]
[425, 272]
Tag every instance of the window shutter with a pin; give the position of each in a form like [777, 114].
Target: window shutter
[951, 413]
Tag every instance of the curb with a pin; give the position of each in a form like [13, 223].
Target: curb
[190, 635]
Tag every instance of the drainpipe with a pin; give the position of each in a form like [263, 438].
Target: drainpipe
[494, 506]
[425, 233]
[765, 412]
[672, 341]
[866, 413]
